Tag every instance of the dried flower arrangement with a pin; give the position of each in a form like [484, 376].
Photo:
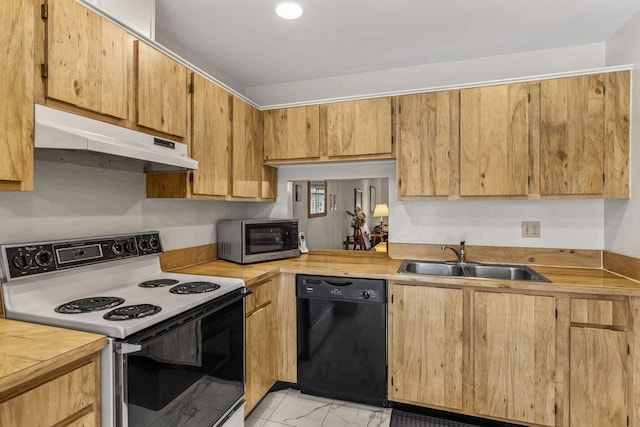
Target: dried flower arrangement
[358, 217]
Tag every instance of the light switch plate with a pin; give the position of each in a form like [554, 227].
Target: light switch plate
[530, 228]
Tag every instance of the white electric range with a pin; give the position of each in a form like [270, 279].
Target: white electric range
[176, 341]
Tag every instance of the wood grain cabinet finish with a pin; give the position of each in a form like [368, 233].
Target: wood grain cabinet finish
[261, 342]
[162, 85]
[426, 346]
[247, 160]
[515, 357]
[599, 362]
[292, 133]
[17, 38]
[572, 135]
[428, 140]
[287, 332]
[599, 378]
[494, 140]
[584, 135]
[211, 137]
[357, 128]
[90, 60]
[70, 399]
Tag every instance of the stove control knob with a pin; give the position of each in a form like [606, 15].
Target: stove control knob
[117, 248]
[130, 246]
[44, 258]
[22, 261]
[153, 242]
[143, 245]
[366, 295]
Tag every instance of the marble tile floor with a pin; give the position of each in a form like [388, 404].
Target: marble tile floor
[291, 408]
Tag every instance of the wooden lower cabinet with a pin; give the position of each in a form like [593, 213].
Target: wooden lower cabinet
[69, 399]
[515, 356]
[261, 343]
[426, 345]
[598, 387]
[535, 360]
[599, 362]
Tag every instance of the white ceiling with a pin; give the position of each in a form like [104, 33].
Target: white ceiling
[246, 41]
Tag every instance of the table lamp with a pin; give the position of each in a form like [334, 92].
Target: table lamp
[381, 210]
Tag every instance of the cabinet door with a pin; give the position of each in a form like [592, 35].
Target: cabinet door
[616, 133]
[428, 144]
[292, 133]
[358, 128]
[71, 395]
[17, 22]
[247, 150]
[269, 190]
[494, 140]
[515, 357]
[426, 348]
[571, 135]
[598, 390]
[89, 59]
[211, 138]
[261, 343]
[162, 92]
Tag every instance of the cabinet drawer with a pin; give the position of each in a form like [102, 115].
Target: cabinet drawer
[263, 293]
[54, 401]
[607, 313]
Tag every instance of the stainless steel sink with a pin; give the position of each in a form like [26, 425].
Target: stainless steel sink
[431, 268]
[484, 271]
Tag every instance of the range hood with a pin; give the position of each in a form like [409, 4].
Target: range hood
[59, 130]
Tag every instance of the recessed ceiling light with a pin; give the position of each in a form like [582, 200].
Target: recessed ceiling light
[289, 10]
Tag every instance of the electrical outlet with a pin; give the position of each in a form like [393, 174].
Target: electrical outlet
[530, 228]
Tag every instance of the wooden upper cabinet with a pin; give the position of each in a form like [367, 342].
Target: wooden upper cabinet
[211, 138]
[269, 190]
[572, 135]
[515, 357]
[163, 86]
[292, 133]
[90, 59]
[428, 138]
[616, 134]
[494, 140]
[357, 128]
[17, 23]
[427, 346]
[246, 169]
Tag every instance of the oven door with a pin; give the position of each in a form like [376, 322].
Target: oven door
[185, 371]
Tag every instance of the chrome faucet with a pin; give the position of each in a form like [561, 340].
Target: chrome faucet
[461, 254]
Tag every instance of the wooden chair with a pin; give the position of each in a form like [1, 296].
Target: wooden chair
[357, 240]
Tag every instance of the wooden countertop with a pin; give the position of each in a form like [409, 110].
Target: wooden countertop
[28, 350]
[378, 265]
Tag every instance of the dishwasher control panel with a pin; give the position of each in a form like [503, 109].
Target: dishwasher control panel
[341, 288]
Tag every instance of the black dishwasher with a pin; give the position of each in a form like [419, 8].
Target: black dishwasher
[342, 338]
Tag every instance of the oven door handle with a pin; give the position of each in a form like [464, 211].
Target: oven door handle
[127, 348]
[246, 292]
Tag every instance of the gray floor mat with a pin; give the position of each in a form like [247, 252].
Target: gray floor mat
[407, 419]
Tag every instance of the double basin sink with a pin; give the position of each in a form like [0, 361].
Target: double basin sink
[484, 271]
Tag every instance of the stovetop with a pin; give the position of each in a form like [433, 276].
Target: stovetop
[34, 298]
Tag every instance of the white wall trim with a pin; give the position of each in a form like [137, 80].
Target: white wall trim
[550, 76]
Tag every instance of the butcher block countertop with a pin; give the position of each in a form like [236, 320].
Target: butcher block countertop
[378, 265]
[28, 350]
